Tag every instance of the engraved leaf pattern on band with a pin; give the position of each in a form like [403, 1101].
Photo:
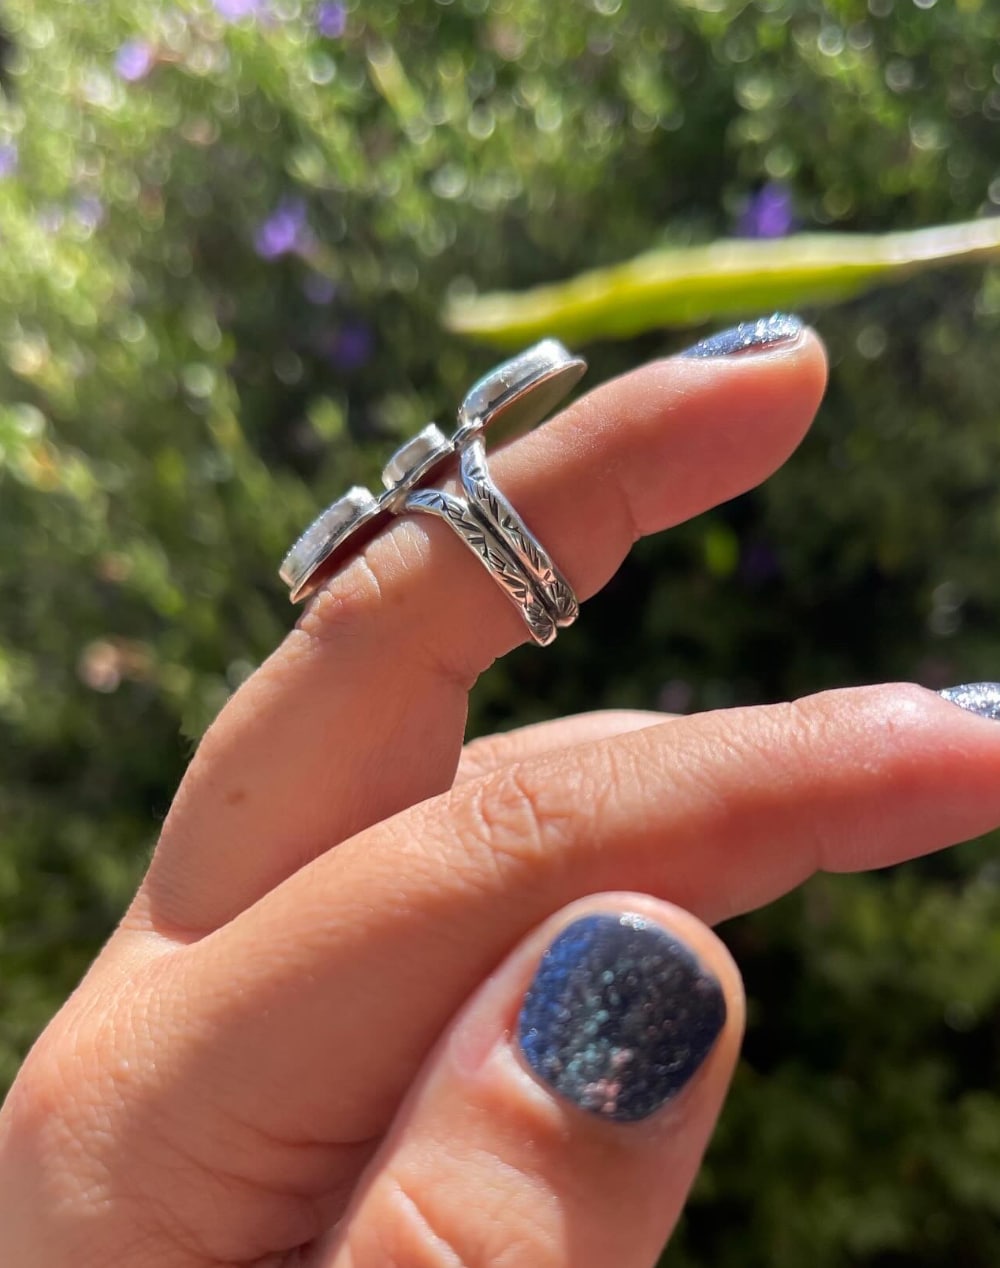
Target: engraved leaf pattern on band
[478, 536]
[556, 591]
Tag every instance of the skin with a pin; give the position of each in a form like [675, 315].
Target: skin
[297, 1049]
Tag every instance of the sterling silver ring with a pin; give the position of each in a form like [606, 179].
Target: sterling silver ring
[530, 555]
[512, 397]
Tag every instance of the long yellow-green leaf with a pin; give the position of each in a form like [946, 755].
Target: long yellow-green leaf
[674, 287]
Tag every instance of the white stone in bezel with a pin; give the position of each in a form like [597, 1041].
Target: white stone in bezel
[325, 533]
[415, 458]
[521, 390]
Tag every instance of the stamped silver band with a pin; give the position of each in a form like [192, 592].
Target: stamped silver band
[475, 530]
[532, 557]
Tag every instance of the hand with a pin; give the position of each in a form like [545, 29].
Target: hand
[308, 1042]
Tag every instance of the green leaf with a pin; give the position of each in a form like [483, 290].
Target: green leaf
[676, 287]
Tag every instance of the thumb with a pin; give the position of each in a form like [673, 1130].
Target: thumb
[561, 1120]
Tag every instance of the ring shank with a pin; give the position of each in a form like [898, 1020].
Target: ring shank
[490, 548]
[532, 557]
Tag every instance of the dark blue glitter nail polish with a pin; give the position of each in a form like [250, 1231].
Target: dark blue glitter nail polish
[619, 1017]
[978, 697]
[749, 336]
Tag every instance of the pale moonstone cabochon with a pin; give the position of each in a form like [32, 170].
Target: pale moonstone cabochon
[416, 457]
[324, 534]
[520, 392]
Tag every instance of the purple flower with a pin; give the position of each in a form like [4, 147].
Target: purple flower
[352, 346]
[234, 10]
[768, 213]
[8, 158]
[285, 230]
[331, 19]
[134, 60]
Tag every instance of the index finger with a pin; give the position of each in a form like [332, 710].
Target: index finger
[340, 981]
[361, 711]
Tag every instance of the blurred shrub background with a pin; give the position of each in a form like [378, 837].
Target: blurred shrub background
[227, 231]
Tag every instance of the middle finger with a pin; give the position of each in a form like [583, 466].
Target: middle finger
[340, 980]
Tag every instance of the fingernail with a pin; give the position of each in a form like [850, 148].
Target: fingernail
[620, 1016]
[749, 336]
[978, 697]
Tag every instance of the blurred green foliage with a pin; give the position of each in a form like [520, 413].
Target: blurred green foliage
[227, 231]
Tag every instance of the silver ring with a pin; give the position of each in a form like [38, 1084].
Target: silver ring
[492, 552]
[532, 557]
[513, 397]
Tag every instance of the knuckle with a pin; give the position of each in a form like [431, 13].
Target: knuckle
[520, 816]
[56, 1126]
[34, 1108]
[38, 1090]
[49, 1095]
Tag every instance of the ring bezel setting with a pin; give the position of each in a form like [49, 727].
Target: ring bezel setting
[518, 394]
[413, 461]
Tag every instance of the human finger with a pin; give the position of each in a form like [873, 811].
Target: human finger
[490, 752]
[718, 812]
[562, 1118]
[361, 711]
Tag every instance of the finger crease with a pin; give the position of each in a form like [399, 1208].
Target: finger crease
[413, 1211]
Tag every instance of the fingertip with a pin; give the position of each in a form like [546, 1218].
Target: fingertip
[814, 352]
[809, 361]
[753, 411]
[588, 1069]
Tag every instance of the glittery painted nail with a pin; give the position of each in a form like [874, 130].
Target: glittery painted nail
[978, 697]
[749, 336]
[620, 1016]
